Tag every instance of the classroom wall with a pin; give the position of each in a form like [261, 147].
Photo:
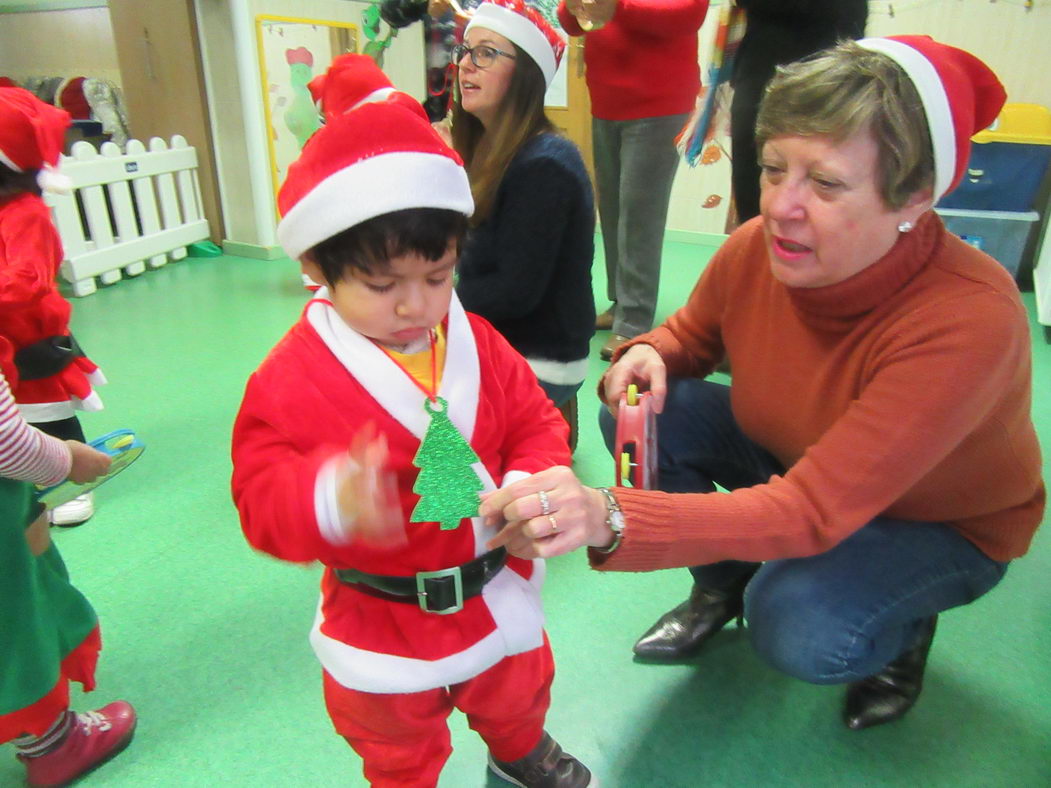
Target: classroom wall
[62, 43]
[1012, 40]
[229, 45]
[1009, 37]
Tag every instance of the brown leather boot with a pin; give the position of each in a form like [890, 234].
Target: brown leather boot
[889, 694]
[604, 320]
[569, 413]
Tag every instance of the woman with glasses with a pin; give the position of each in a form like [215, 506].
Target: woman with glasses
[526, 265]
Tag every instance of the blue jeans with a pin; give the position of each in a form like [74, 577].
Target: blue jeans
[830, 618]
[560, 393]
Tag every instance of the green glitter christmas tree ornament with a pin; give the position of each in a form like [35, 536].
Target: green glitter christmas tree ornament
[447, 485]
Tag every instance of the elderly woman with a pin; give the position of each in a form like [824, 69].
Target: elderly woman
[876, 440]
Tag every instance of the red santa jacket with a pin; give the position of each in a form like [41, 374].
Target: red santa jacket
[32, 309]
[320, 385]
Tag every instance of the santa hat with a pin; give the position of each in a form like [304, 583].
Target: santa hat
[376, 157]
[960, 96]
[524, 26]
[350, 81]
[32, 133]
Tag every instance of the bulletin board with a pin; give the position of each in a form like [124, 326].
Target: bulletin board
[291, 53]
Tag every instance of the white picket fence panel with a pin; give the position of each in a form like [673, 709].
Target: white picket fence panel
[136, 210]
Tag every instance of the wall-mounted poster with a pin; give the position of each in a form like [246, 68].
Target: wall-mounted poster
[291, 53]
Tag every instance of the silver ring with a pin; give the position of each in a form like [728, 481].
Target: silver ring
[545, 503]
[554, 523]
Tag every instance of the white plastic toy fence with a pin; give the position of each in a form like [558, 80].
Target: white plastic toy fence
[127, 211]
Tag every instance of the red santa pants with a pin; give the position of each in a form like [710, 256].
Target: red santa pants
[404, 739]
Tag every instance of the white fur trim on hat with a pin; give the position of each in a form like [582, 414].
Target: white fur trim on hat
[369, 188]
[376, 95]
[935, 104]
[519, 30]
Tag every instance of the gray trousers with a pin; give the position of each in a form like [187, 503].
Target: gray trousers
[635, 163]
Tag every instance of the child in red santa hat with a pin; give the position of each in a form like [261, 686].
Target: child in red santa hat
[365, 438]
[55, 378]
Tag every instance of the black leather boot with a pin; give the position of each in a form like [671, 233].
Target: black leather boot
[682, 631]
[889, 694]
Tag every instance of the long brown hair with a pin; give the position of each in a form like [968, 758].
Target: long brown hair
[487, 152]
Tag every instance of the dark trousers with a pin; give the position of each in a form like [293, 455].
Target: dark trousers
[63, 429]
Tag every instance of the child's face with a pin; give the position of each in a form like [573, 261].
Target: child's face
[395, 306]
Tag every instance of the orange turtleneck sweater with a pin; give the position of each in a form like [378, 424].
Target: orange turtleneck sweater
[902, 391]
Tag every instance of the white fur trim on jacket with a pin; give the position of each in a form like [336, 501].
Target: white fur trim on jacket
[513, 601]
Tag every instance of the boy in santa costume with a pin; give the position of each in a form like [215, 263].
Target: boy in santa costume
[363, 442]
[54, 377]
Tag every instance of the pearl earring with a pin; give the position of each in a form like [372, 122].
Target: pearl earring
[904, 227]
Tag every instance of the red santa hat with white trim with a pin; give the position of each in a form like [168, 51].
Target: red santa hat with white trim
[351, 78]
[524, 26]
[32, 133]
[377, 156]
[960, 94]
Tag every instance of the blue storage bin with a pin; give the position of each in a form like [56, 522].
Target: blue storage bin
[1008, 162]
[1000, 234]
[1001, 176]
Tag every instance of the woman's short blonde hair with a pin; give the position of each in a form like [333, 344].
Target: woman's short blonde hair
[847, 90]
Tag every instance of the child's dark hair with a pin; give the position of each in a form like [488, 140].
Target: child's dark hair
[13, 182]
[369, 246]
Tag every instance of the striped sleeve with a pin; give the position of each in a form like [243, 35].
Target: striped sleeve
[26, 453]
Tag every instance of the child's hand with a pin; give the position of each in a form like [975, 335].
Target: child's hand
[38, 535]
[368, 493]
[88, 463]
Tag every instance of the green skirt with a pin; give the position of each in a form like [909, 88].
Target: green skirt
[48, 630]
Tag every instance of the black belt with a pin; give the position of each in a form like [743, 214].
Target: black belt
[442, 591]
[47, 357]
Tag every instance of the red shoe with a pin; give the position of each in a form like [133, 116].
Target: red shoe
[93, 739]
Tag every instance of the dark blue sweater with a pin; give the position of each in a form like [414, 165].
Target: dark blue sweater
[527, 268]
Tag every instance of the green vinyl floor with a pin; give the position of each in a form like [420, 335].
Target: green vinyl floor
[208, 639]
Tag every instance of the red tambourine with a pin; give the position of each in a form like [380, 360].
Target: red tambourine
[635, 450]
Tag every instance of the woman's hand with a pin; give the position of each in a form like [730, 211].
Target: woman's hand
[368, 494]
[547, 514]
[88, 463]
[592, 14]
[438, 9]
[641, 365]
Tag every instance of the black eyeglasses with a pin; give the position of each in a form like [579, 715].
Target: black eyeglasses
[482, 56]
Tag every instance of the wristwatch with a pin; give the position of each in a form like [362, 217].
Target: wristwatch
[614, 520]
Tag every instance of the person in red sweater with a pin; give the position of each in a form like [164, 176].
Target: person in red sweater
[881, 368]
[643, 76]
